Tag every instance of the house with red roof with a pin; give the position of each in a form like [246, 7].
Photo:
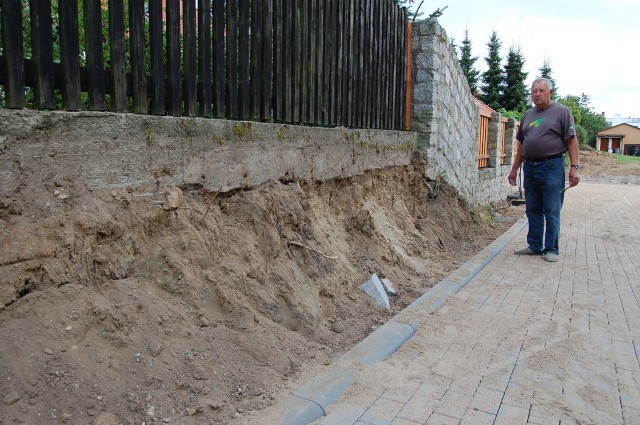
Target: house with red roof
[622, 138]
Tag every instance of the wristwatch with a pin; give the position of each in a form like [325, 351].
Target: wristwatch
[576, 166]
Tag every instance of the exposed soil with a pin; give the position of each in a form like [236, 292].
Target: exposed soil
[602, 167]
[172, 305]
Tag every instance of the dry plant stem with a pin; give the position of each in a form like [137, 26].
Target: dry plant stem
[313, 249]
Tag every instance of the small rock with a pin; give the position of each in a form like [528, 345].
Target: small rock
[11, 397]
[191, 411]
[155, 347]
[166, 420]
[48, 351]
[173, 198]
[108, 419]
[151, 411]
[68, 328]
[199, 373]
[337, 327]
[214, 405]
[204, 322]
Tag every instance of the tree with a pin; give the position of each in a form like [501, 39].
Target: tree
[493, 77]
[545, 72]
[515, 96]
[409, 4]
[467, 61]
[588, 122]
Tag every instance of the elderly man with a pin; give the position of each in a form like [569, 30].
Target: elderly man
[547, 132]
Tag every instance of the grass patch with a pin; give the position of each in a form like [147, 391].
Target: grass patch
[626, 159]
[485, 215]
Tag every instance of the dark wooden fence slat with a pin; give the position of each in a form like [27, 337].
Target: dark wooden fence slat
[13, 53]
[329, 46]
[189, 58]
[397, 87]
[70, 54]
[392, 62]
[287, 57]
[366, 40]
[244, 59]
[92, 10]
[118, 72]
[156, 45]
[256, 65]
[305, 62]
[402, 68]
[266, 79]
[360, 69]
[386, 64]
[351, 56]
[137, 52]
[313, 60]
[205, 80]
[377, 25]
[42, 53]
[297, 62]
[340, 50]
[333, 56]
[219, 61]
[174, 74]
[232, 59]
[278, 58]
[319, 47]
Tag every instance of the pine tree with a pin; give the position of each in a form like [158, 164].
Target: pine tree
[466, 63]
[412, 12]
[493, 77]
[545, 72]
[515, 96]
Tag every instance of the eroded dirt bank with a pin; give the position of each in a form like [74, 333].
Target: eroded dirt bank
[172, 304]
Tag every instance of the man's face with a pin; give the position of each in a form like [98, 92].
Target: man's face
[540, 94]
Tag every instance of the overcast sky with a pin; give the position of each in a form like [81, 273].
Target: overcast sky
[593, 47]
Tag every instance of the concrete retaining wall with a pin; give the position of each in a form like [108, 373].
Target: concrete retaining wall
[109, 150]
[119, 150]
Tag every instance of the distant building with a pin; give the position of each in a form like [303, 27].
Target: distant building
[622, 138]
[619, 119]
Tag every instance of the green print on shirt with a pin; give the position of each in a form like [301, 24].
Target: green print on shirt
[536, 123]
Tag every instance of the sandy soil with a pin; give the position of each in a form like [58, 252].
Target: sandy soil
[170, 305]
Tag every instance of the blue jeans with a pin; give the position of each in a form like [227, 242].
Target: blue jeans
[543, 184]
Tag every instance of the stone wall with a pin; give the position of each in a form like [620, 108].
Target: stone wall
[447, 121]
[109, 150]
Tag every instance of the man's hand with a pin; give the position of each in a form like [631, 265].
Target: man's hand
[574, 177]
[513, 175]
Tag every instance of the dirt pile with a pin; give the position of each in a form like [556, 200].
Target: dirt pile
[602, 167]
[172, 305]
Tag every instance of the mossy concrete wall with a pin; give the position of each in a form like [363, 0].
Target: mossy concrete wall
[108, 150]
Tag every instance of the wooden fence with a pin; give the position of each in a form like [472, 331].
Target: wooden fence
[314, 62]
[503, 147]
[483, 139]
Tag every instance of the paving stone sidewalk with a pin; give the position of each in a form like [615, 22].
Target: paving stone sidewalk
[525, 341]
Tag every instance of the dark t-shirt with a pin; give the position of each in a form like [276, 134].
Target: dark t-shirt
[545, 133]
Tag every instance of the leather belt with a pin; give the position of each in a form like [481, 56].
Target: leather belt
[546, 158]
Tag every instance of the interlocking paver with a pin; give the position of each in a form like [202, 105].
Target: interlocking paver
[524, 341]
